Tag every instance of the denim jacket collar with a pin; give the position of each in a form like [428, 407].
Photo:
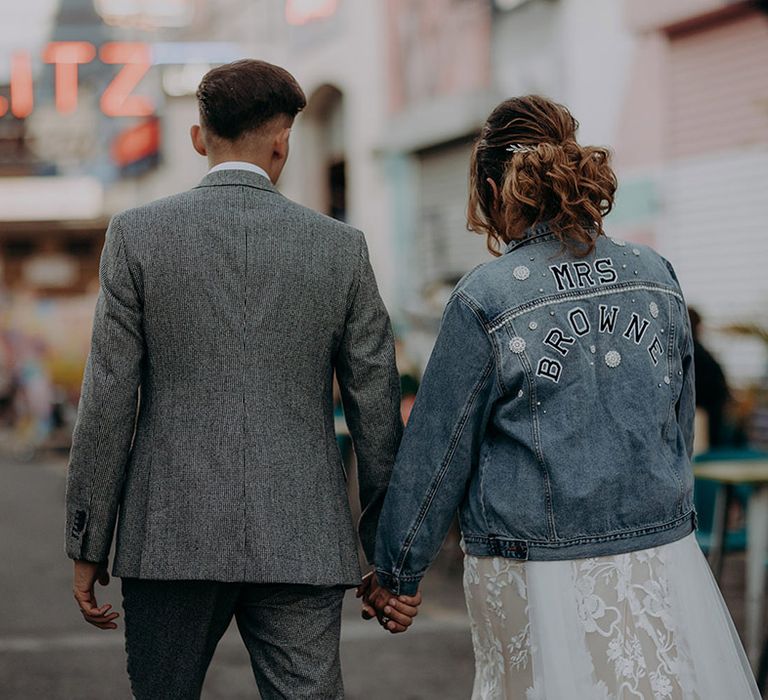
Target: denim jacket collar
[534, 233]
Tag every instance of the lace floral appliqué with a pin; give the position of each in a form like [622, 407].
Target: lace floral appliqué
[622, 615]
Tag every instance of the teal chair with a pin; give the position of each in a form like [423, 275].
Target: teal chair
[705, 495]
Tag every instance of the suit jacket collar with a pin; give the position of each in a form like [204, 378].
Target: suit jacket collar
[235, 178]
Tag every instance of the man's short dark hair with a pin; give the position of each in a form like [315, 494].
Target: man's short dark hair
[242, 96]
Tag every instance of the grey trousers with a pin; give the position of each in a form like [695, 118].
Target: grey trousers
[291, 632]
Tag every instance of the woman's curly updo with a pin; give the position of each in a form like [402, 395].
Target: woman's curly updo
[546, 177]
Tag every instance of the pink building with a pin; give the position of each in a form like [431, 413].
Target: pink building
[693, 156]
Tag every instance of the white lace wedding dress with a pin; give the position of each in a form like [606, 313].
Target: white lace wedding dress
[649, 624]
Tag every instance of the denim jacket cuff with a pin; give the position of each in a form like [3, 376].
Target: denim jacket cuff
[399, 585]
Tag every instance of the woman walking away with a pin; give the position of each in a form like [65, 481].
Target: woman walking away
[556, 413]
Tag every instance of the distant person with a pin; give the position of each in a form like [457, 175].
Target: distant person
[556, 414]
[712, 393]
[230, 307]
[409, 386]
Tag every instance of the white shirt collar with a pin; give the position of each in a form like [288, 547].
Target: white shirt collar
[239, 165]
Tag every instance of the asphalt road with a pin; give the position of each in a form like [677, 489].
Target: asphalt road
[47, 652]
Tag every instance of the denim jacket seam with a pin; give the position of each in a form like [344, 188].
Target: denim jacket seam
[509, 315]
[481, 488]
[476, 309]
[686, 351]
[536, 435]
[671, 342]
[622, 534]
[670, 374]
[608, 536]
[438, 478]
[480, 479]
[459, 287]
[482, 320]
[668, 358]
[400, 577]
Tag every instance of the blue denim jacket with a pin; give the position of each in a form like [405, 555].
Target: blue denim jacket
[556, 412]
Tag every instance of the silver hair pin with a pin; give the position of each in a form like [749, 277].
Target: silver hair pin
[519, 148]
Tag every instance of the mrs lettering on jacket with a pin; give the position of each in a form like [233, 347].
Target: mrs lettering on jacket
[580, 275]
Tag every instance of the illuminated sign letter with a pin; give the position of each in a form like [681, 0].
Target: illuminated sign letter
[66, 56]
[117, 100]
[22, 91]
[305, 11]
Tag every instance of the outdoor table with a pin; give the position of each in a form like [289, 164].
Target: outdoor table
[727, 474]
[340, 426]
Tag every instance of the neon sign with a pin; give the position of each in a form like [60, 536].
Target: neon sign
[118, 99]
[147, 14]
[22, 97]
[305, 11]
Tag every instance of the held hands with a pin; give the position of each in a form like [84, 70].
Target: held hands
[395, 613]
[86, 575]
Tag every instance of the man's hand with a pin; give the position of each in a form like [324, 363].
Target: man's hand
[86, 575]
[395, 613]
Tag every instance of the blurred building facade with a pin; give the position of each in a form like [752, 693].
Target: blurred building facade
[396, 92]
[693, 154]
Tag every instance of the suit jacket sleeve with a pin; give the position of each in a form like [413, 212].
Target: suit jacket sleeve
[106, 415]
[370, 392]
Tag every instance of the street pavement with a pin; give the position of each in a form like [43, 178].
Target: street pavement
[47, 652]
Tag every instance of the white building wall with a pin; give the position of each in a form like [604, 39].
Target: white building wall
[596, 52]
[612, 75]
[694, 159]
[352, 59]
[346, 51]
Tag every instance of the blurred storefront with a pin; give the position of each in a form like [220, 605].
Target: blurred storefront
[694, 154]
[89, 92]
[449, 64]
[96, 109]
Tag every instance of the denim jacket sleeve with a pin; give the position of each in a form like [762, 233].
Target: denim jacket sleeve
[686, 403]
[439, 449]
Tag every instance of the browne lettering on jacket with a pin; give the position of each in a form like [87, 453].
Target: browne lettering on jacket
[610, 320]
[635, 329]
[583, 274]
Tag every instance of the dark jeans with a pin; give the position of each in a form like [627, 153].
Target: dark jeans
[291, 632]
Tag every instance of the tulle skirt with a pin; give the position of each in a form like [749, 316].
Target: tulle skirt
[647, 624]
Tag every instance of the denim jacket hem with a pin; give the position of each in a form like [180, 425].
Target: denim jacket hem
[583, 547]
[399, 585]
[532, 550]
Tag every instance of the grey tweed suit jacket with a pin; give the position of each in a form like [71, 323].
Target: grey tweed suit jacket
[206, 415]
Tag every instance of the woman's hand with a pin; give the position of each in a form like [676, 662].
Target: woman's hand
[395, 613]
